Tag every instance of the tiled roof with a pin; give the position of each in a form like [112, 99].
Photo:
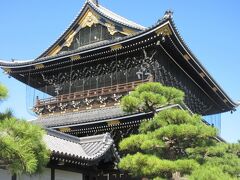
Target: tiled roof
[115, 17]
[90, 148]
[79, 117]
[94, 115]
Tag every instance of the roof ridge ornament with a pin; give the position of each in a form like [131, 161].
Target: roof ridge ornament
[95, 2]
[168, 14]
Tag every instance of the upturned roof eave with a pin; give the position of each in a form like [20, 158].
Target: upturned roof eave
[198, 63]
[84, 49]
[105, 144]
[92, 48]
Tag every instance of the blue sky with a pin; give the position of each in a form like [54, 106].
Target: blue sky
[210, 28]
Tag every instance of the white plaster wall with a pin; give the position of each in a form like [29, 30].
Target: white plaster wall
[66, 175]
[45, 175]
[5, 175]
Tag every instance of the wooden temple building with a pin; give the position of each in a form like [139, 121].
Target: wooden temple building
[98, 59]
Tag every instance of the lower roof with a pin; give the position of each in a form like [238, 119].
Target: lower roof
[80, 117]
[87, 150]
[89, 117]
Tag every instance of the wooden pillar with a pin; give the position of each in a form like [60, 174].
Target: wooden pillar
[14, 177]
[52, 174]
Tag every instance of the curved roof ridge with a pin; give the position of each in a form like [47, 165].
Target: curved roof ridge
[115, 17]
[92, 148]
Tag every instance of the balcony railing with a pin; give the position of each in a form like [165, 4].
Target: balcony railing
[104, 91]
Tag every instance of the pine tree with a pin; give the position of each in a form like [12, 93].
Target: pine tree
[174, 143]
[22, 149]
[3, 92]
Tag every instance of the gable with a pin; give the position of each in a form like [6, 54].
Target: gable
[91, 19]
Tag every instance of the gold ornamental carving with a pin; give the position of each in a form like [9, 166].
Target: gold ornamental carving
[89, 19]
[66, 129]
[202, 74]
[111, 28]
[7, 70]
[214, 89]
[164, 31]
[186, 57]
[127, 31]
[116, 47]
[69, 39]
[54, 51]
[75, 58]
[114, 122]
[39, 66]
